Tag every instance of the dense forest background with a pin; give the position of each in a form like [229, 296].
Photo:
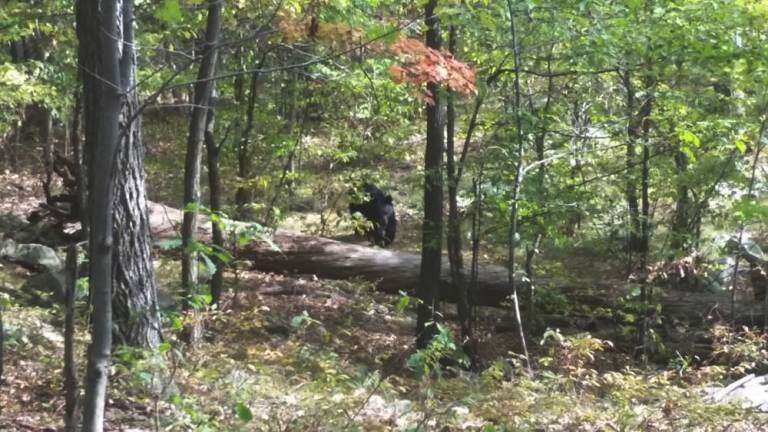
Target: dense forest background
[565, 233]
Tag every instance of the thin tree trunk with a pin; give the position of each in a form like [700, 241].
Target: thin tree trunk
[2, 344]
[77, 156]
[99, 24]
[70, 366]
[214, 184]
[13, 150]
[18, 55]
[134, 301]
[46, 140]
[633, 133]
[759, 146]
[453, 237]
[203, 90]
[681, 237]
[512, 241]
[244, 165]
[541, 175]
[646, 293]
[432, 229]
[270, 209]
[477, 225]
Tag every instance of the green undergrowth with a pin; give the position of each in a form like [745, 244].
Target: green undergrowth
[341, 358]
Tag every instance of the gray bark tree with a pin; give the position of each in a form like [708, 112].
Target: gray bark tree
[454, 233]
[99, 24]
[202, 95]
[121, 277]
[432, 229]
[214, 185]
[134, 300]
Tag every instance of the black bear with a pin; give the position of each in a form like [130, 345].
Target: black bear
[380, 211]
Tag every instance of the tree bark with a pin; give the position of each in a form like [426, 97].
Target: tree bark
[79, 163]
[203, 90]
[454, 234]
[681, 236]
[244, 165]
[759, 147]
[46, 140]
[633, 134]
[432, 229]
[70, 366]
[100, 38]
[515, 196]
[646, 292]
[134, 299]
[2, 345]
[214, 184]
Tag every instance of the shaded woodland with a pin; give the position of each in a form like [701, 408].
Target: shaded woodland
[302, 215]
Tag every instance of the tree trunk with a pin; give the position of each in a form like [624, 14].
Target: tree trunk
[98, 29]
[214, 184]
[681, 223]
[453, 237]
[18, 55]
[2, 344]
[134, 300]
[78, 160]
[515, 196]
[432, 229]
[46, 141]
[203, 90]
[645, 290]
[70, 366]
[759, 146]
[633, 133]
[244, 165]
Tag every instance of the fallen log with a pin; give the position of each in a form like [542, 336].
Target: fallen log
[391, 271]
[395, 271]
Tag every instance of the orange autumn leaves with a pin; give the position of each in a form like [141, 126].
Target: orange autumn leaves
[416, 64]
[420, 65]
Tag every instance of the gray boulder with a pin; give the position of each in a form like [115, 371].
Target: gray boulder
[31, 255]
[751, 392]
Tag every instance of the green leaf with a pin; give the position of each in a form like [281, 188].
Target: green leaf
[164, 347]
[5, 300]
[688, 153]
[740, 145]
[210, 267]
[169, 12]
[168, 244]
[403, 303]
[145, 376]
[298, 320]
[176, 323]
[243, 412]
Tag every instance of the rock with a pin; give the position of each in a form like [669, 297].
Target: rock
[7, 247]
[750, 391]
[380, 410]
[31, 255]
[51, 334]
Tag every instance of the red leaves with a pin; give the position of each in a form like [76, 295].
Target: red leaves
[421, 65]
[417, 64]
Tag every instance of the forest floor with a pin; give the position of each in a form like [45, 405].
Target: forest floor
[295, 353]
